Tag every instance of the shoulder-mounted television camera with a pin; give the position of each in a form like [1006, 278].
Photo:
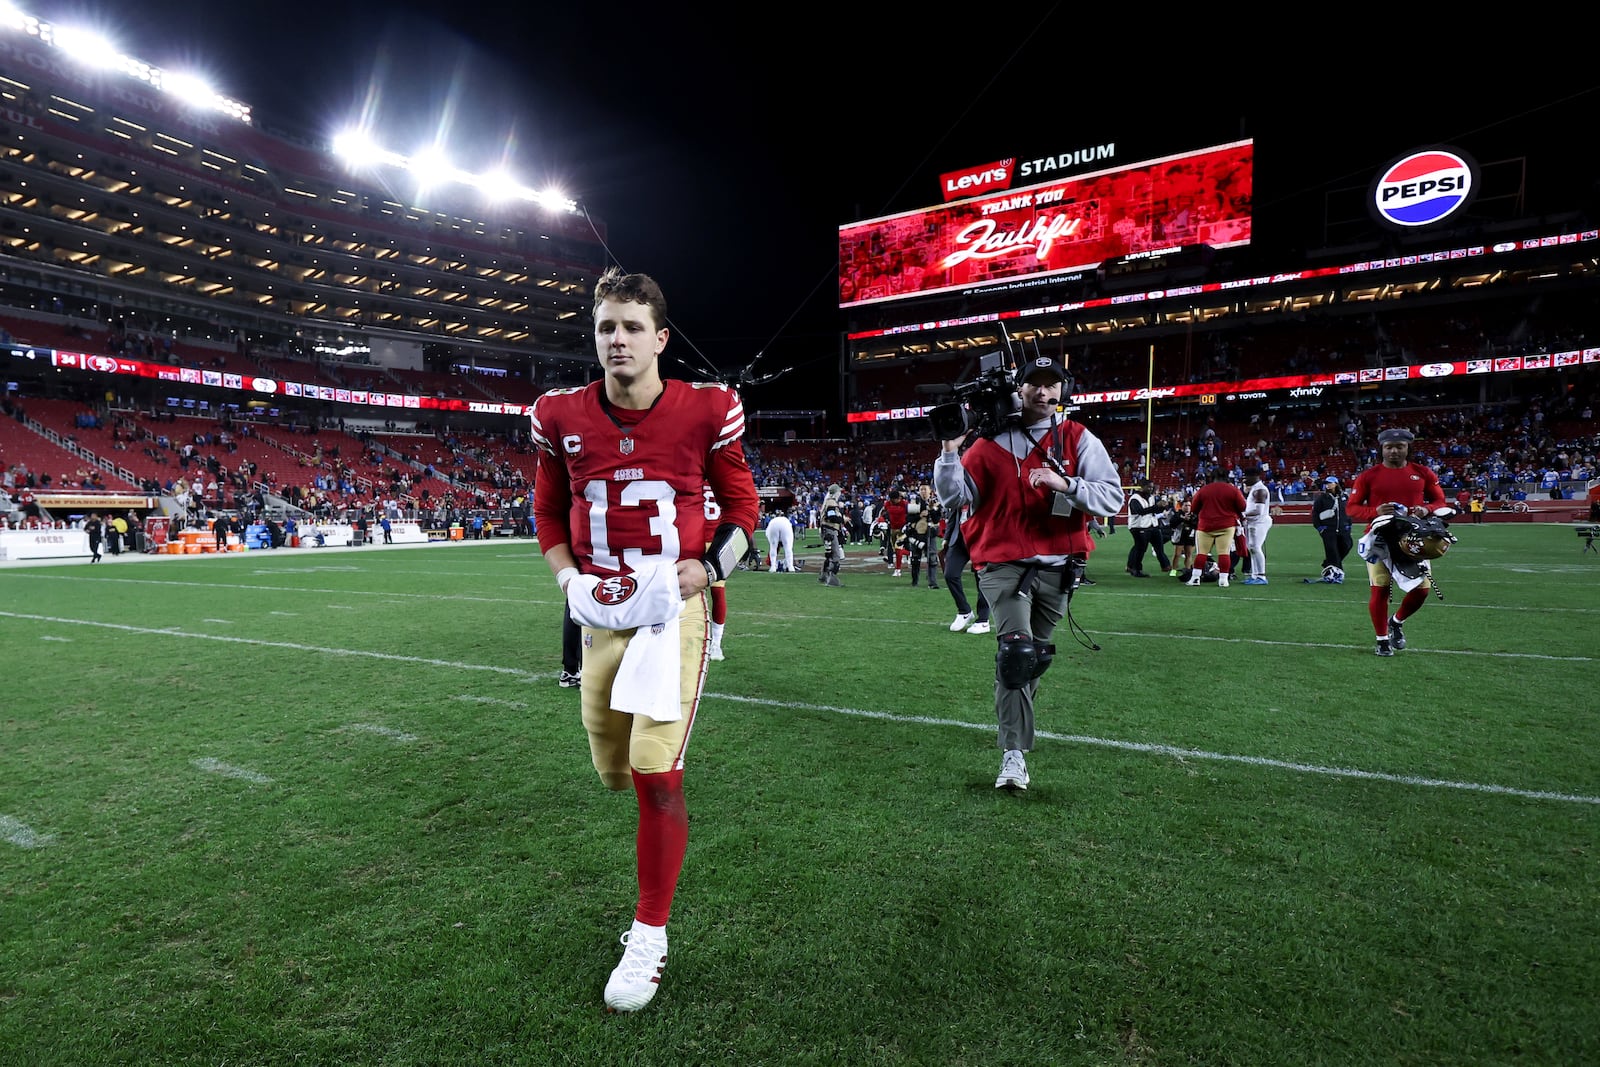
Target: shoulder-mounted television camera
[988, 404]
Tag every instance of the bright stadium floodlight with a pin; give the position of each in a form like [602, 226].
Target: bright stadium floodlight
[85, 47]
[190, 89]
[360, 151]
[500, 186]
[430, 167]
[553, 200]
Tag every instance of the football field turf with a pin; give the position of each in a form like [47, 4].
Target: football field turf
[330, 807]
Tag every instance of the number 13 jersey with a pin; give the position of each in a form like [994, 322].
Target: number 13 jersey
[626, 489]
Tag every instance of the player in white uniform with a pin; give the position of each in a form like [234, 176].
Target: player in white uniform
[1257, 524]
[780, 538]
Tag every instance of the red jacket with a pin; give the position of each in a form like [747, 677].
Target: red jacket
[1015, 522]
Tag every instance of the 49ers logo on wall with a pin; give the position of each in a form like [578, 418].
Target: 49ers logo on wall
[616, 590]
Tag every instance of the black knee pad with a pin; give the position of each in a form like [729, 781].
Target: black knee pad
[1021, 659]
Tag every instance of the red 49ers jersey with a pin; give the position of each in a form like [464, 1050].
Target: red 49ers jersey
[626, 489]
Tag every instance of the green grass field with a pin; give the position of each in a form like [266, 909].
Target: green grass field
[330, 807]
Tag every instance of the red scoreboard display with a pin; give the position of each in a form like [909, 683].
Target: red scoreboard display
[1147, 209]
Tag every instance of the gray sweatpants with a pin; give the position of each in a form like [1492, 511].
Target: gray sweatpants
[1038, 615]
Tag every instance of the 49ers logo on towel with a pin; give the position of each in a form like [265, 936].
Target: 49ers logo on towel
[613, 591]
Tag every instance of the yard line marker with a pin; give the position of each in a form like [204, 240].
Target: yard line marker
[228, 770]
[1181, 753]
[293, 646]
[53, 637]
[1130, 746]
[19, 833]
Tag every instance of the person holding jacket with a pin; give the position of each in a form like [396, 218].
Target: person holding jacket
[1394, 487]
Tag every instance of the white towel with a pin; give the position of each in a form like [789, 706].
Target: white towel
[647, 680]
[643, 598]
[646, 602]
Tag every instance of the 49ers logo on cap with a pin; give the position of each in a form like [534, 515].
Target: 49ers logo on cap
[613, 591]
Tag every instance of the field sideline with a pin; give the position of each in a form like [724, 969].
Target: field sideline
[329, 805]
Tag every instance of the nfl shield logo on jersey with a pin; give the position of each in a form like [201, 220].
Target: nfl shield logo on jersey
[626, 447]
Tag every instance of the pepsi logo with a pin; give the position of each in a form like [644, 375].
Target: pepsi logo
[1423, 188]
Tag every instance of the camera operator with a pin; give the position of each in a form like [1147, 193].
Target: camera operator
[834, 522]
[923, 515]
[1029, 488]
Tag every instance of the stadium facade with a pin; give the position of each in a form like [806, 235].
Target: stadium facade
[1427, 283]
[120, 202]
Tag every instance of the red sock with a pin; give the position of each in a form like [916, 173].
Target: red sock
[1411, 602]
[1200, 562]
[899, 558]
[1378, 609]
[719, 604]
[662, 840]
[1224, 563]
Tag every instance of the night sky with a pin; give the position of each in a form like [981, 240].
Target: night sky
[722, 154]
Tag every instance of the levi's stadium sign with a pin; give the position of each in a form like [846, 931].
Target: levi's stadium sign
[1049, 229]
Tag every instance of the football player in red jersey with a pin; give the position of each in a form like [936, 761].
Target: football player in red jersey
[619, 499]
[1377, 490]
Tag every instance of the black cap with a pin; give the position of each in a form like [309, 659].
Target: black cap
[1041, 366]
[1396, 434]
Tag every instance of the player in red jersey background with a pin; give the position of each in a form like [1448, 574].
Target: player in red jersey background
[619, 499]
[1415, 488]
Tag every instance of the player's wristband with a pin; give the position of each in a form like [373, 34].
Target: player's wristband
[711, 572]
[565, 575]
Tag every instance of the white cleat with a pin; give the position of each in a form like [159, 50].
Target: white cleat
[963, 620]
[635, 980]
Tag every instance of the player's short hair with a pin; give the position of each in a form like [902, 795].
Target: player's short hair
[631, 289]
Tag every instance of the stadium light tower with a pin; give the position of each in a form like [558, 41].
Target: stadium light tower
[432, 168]
[88, 48]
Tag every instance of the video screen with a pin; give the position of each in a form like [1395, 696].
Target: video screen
[1056, 227]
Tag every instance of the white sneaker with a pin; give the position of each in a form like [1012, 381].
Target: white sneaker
[978, 628]
[1222, 579]
[897, 572]
[963, 620]
[636, 979]
[1194, 579]
[1013, 771]
[716, 650]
